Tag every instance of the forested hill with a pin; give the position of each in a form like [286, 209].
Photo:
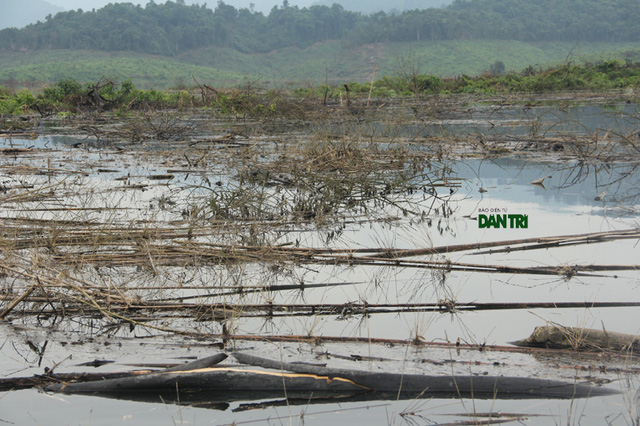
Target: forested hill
[172, 28]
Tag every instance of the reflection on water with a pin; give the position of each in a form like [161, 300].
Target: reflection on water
[571, 186]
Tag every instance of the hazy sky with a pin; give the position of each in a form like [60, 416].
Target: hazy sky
[260, 5]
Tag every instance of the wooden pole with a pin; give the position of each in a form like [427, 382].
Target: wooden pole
[371, 88]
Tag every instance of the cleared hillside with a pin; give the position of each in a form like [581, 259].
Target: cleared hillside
[292, 66]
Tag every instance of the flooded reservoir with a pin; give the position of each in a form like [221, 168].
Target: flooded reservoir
[402, 242]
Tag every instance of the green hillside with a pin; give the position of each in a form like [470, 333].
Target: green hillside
[331, 60]
[337, 63]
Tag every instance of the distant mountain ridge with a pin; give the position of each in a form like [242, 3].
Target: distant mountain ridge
[374, 6]
[19, 13]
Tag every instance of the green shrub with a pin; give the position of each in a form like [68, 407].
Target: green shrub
[15, 104]
[63, 89]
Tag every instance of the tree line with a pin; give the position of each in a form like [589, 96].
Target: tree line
[173, 27]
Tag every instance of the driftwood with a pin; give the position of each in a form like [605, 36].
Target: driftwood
[303, 380]
[559, 337]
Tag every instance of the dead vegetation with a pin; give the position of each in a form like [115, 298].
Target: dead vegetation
[192, 202]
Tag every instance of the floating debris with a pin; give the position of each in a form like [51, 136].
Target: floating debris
[600, 196]
[559, 337]
[540, 182]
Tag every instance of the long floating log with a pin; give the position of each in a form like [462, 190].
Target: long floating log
[305, 378]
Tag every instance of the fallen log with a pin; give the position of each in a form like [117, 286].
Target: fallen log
[559, 337]
[301, 380]
[351, 384]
